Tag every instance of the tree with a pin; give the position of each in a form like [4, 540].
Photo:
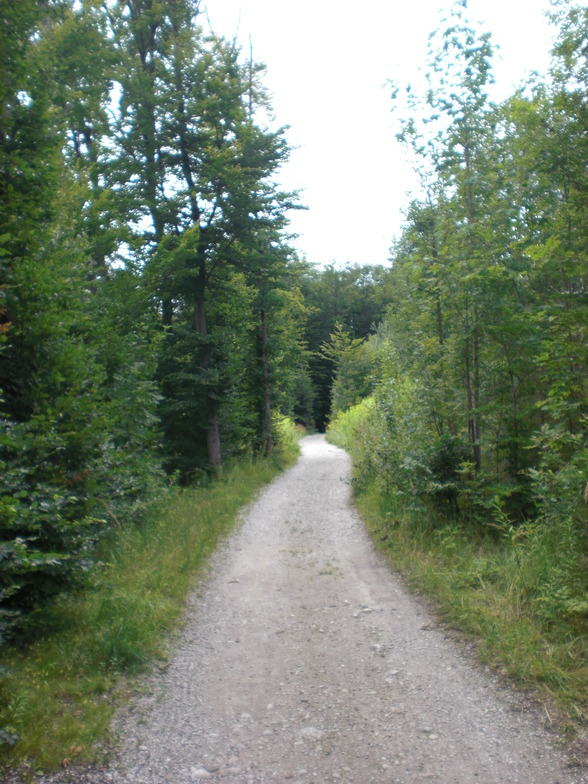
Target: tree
[188, 119]
[144, 271]
[52, 434]
[78, 448]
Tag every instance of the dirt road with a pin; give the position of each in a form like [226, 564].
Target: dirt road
[305, 660]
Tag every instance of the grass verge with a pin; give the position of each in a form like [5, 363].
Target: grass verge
[57, 696]
[487, 587]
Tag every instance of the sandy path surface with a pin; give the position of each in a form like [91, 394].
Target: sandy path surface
[305, 660]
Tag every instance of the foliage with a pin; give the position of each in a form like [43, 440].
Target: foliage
[481, 357]
[57, 697]
[345, 427]
[354, 297]
[470, 452]
[350, 382]
[521, 595]
[288, 434]
[139, 209]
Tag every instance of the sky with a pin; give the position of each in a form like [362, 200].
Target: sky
[328, 65]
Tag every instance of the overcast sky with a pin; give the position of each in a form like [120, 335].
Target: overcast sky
[328, 64]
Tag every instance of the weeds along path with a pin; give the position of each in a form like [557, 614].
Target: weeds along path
[304, 660]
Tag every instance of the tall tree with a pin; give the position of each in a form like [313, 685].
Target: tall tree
[189, 111]
[456, 102]
[52, 427]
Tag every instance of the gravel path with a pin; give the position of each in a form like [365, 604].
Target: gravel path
[305, 660]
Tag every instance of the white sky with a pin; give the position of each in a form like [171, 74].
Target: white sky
[328, 62]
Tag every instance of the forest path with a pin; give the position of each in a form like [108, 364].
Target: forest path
[305, 660]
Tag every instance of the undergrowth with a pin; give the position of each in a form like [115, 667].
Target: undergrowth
[518, 586]
[500, 589]
[59, 692]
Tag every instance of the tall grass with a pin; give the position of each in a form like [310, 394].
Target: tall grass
[497, 590]
[519, 590]
[58, 695]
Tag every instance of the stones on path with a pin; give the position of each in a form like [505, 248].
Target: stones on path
[197, 774]
[311, 733]
[308, 696]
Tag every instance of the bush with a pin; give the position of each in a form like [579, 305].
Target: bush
[59, 693]
[287, 435]
[445, 458]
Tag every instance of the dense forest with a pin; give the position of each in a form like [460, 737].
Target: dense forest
[479, 366]
[156, 320]
[150, 304]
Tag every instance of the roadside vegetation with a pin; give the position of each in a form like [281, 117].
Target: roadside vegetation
[469, 435]
[58, 694]
[517, 589]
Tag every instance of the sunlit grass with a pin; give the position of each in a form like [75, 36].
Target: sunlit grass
[58, 695]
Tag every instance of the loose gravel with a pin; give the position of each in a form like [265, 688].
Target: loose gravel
[304, 659]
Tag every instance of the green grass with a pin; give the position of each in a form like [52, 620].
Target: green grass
[519, 590]
[502, 591]
[57, 696]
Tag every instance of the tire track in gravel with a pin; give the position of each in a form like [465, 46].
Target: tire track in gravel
[305, 660]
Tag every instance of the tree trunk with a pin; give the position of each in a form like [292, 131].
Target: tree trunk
[269, 439]
[267, 434]
[471, 380]
[514, 451]
[440, 339]
[474, 402]
[212, 433]
[476, 394]
[213, 439]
